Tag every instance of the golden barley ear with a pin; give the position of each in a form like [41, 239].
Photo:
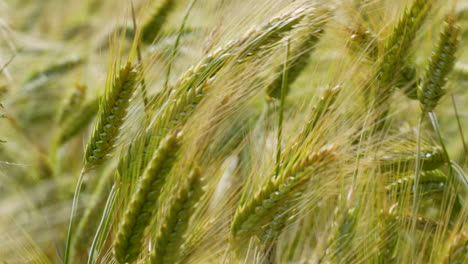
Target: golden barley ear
[111, 116]
[431, 88]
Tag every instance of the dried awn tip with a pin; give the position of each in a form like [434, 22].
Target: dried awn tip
[170, 237]
[140, 212]
[111, 116]
[441, 64]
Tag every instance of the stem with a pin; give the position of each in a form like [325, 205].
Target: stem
[74, 209]
[176, 44]
[284, 83]
[103, 224]
[460, 129]
[417, 172]
[143, 84]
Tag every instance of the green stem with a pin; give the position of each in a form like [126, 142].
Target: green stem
[281, 109]
[176, 44]
[74, 209]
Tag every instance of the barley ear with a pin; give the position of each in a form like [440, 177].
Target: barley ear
[397, 46]
[170, 237]
[152, 27]
[440, 65]
[252, 216]
[111, 116]
[300, 57]
[139, 214]
[78, 120]
[74, 101]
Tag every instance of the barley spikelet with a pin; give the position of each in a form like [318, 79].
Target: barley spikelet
[111, 116]
[130, 237]
[74, 101]
[300, 57]
[170, 237]
[78, 120]
[152, 27]
[441, 64]
[407, 81]
[396, 47]
[173, 116]
[323, 107]
[252, 216]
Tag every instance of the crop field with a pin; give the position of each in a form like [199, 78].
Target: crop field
[233, 131]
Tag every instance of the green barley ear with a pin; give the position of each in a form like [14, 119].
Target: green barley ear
[268, 204]
[73, 102]
[324, 106]
[429, 182]
[152, 27]
[78, 120]
[401, 157]
[300, 55]
[56, 69]
[140, 212]
[111, 116]
[254, 42]
[397, 46]
[407, 81]
[170, 237]
[441, 64]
